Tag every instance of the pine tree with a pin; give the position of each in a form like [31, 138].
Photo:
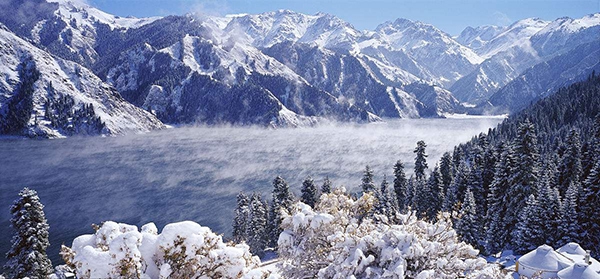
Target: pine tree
[367, 180]
[529, 232]
[400, 186]
[497, 231]
[570, 169]
[27, 256]
[386, 203]
[420, 160]
[282, 200]
[256, 229]
[241, 218]
[468, 225]
[436, 195]
[569, 225]
[446, 170]
[326, 188]
[550, 205]
[589, 213]
[309, 191]
[458, 187]
[525, 174]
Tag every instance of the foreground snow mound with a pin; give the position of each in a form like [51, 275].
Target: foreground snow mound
[182, 250]
[339, 239]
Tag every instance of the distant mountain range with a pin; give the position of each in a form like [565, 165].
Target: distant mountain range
[278, 69]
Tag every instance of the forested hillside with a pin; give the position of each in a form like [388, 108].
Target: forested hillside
[535, 178]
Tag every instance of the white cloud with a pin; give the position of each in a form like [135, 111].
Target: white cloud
[501, 19]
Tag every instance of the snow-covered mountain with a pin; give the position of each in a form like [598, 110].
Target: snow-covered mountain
[421, 49]
[45, 96]
[284, 68]
[520, 46]
[546, 77]
[476, 37]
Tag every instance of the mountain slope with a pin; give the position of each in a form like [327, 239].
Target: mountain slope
[44, 96]
[546, 77]
[521, 46]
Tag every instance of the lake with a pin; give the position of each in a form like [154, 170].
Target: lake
[195, 173]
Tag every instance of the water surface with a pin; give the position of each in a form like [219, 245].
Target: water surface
[195, 173]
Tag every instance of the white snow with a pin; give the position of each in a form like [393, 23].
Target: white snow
[181, 250]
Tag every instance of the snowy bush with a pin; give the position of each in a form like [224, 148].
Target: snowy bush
[338, 239]
[181, 250]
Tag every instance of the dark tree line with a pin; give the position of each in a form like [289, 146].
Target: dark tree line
[63, 114]
[20, 105]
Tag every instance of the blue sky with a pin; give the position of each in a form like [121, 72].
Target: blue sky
[452, 16]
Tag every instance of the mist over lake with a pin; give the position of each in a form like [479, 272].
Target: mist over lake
[195, 173]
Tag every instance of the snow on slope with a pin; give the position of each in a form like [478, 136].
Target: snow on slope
[69, 79]
[88, 15]
[517, 34]
[522, 45]
[477, 37]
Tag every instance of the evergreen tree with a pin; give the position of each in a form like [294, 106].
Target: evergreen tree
[436, 195]
[497, 231]
[310, 194]
[550, 208]
[420, 160]
[367, 180]
[446, 170]
[525, 174]
[27, 256]
[529, 231]
[282, 200]
[468, 226]
[423, 199]
[589, 213]
[400, 186]
[569, 226]
[570, 168]
[20, 105]
[458, 187]
[384, 205]
[256, 229]
[241, 218]
[326, 188]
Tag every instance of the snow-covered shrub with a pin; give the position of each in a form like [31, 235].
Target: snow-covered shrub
[339, 240]
[181, 250]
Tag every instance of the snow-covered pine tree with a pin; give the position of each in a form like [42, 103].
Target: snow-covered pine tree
[436, 195]
[256, 228]
[569, 225]
[423, 199]
[326, 188]
[446, 170]
[529, 230]
[570, 168]
[281, 200]
[367, 180]
[549, 201]
[385, 202]
[468, 224]
[525, 173]
[420, 160]
[456, 192]
[27, 256]
[310, 194]
[497, 234]
[241, 218]
[400, 186]
[488, 165]
[589, 215]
